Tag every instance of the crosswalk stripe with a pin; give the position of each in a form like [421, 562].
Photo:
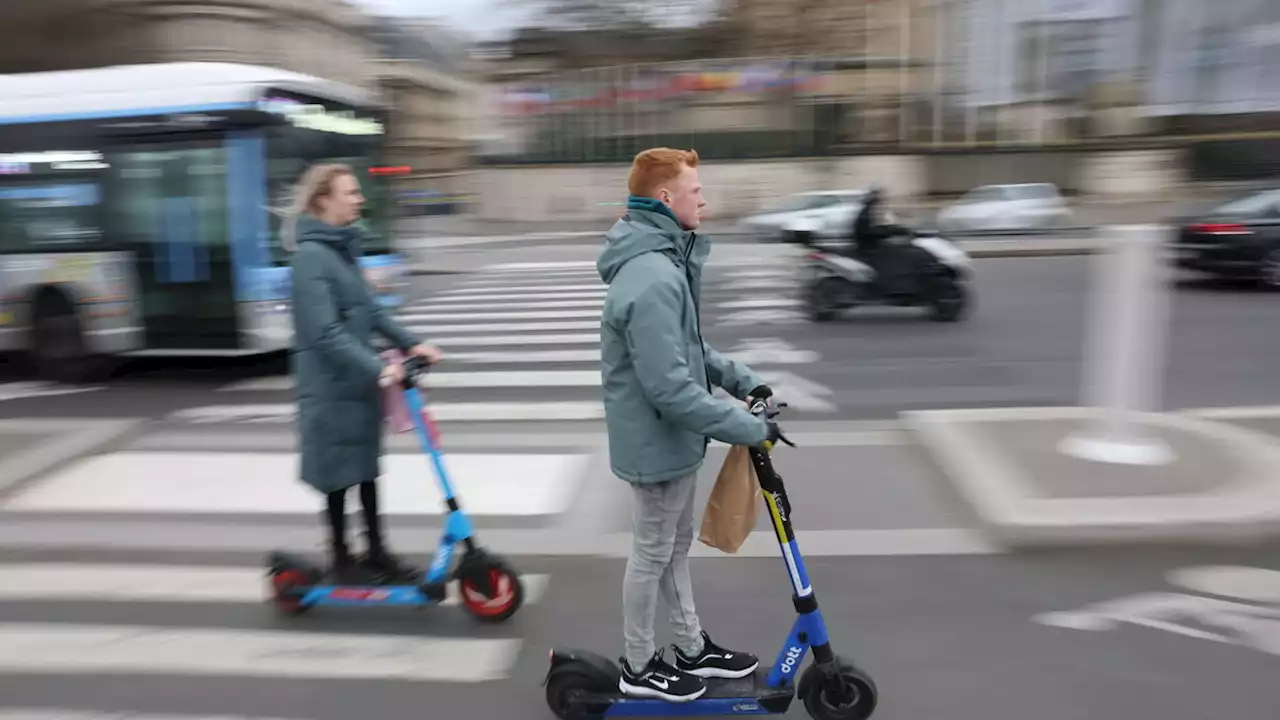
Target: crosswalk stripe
[160, 583]
[527, 288]
[519, 267]
[58, 648]
[765, 302]
[438, 380]
[532, 356]
[474, 296]
[541, 278]
[255, 483]
[479, 340]
[500, 303]
[513, 378]
[428, 330]
[517, 315]
[285, 413]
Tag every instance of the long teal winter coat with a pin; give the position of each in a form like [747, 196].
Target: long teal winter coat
[657, 372]
[334, 360]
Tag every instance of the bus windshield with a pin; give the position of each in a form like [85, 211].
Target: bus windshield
[291, 150]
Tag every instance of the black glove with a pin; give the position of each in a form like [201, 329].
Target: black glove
[762, 392]
[775, 434]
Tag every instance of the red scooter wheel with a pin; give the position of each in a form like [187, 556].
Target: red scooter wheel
[286, 587]
[499, 601]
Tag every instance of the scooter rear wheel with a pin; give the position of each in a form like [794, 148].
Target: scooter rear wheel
[506, 598]
[286, 590]
[564, 692]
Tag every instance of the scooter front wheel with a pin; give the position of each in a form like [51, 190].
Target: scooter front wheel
[856, 700]
[497, 602]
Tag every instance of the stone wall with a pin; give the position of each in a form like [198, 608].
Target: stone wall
[733, 189]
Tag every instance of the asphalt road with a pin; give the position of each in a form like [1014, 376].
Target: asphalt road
[962, 638]
[109, 601]
[1022, 345]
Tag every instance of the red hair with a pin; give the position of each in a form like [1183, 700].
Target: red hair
[655, 167]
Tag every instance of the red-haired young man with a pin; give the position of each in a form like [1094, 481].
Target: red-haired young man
[657, 375]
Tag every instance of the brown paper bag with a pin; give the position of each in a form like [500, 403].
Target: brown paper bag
[731, 510]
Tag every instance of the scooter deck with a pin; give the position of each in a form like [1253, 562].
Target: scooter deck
[371, 590]
[750, 689]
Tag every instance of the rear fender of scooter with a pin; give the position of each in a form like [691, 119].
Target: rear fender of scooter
[602, 671]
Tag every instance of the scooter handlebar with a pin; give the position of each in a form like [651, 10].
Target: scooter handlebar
[415, 368]
[762, 409]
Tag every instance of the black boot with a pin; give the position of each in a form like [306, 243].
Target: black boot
[386, 568]
[345, 570]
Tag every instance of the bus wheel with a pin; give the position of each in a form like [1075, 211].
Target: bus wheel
[58, 349]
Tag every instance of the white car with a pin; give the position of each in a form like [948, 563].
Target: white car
[1006, 208]
[826, 214]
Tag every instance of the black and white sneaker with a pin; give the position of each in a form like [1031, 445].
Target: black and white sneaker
[660, 680]
[717, 662]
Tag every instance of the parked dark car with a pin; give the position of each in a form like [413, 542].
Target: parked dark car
[1238, 239]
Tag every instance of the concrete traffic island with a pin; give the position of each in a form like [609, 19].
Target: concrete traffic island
[1113, 468]
[1221, 485]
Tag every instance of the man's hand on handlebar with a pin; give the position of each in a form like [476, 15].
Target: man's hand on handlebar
[761, 392]
[775, 434]
[763, 409]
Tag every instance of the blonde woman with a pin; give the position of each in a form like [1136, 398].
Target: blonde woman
[337, 368]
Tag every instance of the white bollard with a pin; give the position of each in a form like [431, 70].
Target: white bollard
[1124, 366]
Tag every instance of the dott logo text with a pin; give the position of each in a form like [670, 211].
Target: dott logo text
[793, 655]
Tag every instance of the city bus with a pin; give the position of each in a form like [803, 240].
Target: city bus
[141, 207]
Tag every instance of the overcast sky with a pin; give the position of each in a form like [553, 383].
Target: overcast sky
[484, 19]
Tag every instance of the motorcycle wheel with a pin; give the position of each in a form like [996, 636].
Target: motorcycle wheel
[948, 299]
[821, 300]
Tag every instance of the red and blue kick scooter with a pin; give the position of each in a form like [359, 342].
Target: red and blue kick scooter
[489, 589]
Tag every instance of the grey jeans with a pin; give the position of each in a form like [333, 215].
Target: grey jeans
[661, 531]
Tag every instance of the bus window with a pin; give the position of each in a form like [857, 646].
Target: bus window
[291, 150]
[50, 217]
[170, 208]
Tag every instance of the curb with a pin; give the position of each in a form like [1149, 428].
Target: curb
[1025, 252]
[1000, 249]
[1247, 510]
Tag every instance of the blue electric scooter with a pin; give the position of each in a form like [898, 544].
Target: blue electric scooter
[581, 684]
[489, 589]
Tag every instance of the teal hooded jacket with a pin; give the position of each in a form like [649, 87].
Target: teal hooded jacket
[334, 359]
[657, 372]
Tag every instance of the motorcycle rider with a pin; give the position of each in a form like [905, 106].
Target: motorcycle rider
[870, 229]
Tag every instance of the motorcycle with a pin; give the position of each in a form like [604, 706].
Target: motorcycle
[918, 269]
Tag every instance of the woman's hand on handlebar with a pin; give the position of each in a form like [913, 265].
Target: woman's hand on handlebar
[392, 374]
[430, 353]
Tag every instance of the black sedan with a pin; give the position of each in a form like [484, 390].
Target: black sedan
[1239, 239]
